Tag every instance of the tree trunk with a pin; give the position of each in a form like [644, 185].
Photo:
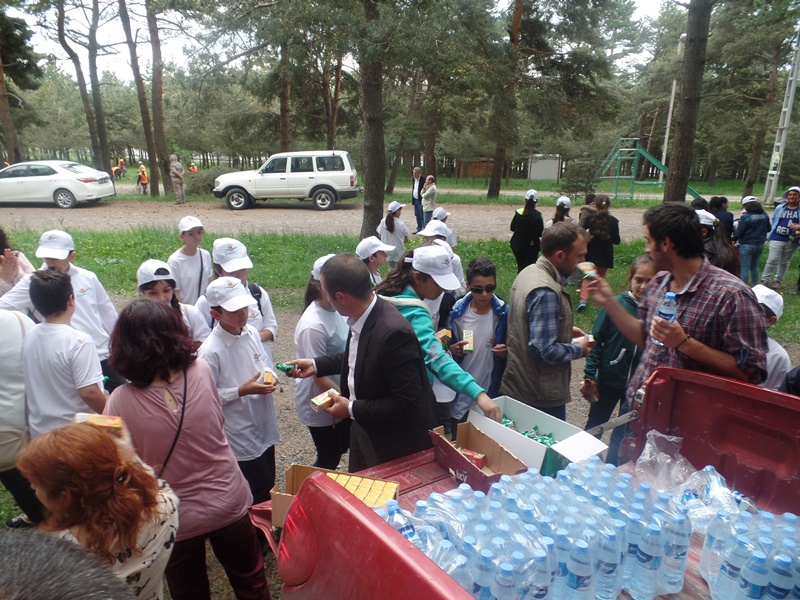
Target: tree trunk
[401, 144]
[159, 160]
[97, 99]
[13, 150]
[371, 63]
[694, 61]
[761, 133]
[331, 102]
[497, 172]
[285, 95]
[141, 93]
[713, 164]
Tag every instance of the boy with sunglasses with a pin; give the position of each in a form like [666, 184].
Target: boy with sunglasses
[486, 315]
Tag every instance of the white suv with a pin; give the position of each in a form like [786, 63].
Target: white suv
[325, 176]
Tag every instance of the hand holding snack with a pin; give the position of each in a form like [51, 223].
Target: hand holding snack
[489, 407]
[339, 408]
[255, 385]
[587, 269]
[457, 349]
[303, 367]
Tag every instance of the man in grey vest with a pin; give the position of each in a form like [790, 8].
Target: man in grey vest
[540, 330]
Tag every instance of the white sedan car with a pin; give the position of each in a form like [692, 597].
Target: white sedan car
[61, 181]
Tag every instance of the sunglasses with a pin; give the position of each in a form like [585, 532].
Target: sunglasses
[480, 290]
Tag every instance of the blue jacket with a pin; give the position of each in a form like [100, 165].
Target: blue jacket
[463, 403]
[752, 229]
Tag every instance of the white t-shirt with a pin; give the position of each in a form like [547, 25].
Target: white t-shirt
[186, 272]
[318, 333]
[58, 361]
[259, 319]
[778, 365]
[198, 326]
[14, 327]
[251, 423]
[395, 238]
[479, 362]
[94, 315]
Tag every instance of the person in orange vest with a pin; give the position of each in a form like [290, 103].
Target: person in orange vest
[192, 168]
[142, 178]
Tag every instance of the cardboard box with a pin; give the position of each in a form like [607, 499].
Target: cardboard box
[295, 476]
[499, 461]
[573, 445]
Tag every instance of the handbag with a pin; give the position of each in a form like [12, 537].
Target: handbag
[13, 440]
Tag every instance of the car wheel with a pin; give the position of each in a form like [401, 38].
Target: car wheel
[237, 199]
[323, 199]
[64, 198]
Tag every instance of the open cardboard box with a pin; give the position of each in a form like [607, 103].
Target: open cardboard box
[295, 476]
[499, 461]
[574, 444]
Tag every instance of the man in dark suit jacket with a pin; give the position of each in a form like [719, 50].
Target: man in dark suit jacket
[417, 183]
[384, 384]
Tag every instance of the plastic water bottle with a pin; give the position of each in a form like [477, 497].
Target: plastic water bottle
[621, 529]
[645, 577]
[781, 578]
[579, 572]
[754, 580]
[635, 532]
[538, 584]
[676, 553]
[502, 587]
[667, 311]
[403, 526]
[483, 574]
[444, 553]
[563, 549]
[726, 585]
[459, 570]
[717, 536]
[607, 577]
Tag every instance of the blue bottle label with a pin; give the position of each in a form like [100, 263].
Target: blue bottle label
[751, 590]
[579, 582]
[407, 531]
[676, 551]
[607, 569]
[648, 561]
[774, 591]
[633, 549]
[562, 570]
[730, 570]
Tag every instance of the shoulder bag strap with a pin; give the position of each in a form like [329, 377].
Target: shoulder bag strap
[200, 281]
[22, 334]
[180, 426]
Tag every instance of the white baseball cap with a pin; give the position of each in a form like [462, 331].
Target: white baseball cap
[564, 201]
[231, 255]
[440, 214]
[55, 244]
[434, 228]
[187, 223]
[369, 246]
[315, 272]
[148, 272]
[395, 206]
[770, 298]
[706, 218]
[229, 293]
[436, 262]
[532, 195]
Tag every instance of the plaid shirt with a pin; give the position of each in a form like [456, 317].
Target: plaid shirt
[715, 308]
[542, 305]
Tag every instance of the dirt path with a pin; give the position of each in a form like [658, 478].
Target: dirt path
[469, 222]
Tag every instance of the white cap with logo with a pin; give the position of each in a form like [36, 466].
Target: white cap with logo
[369, 246]
[564, 201]
[187, 223]
[395, 206]
[148, 272]
[315, 272]
[434, 228]
[229, 293]
[55, 244]
[769, 298]
[231, 255]
[440, 214]
[436, 262]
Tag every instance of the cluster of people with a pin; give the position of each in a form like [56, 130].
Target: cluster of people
[188, 367]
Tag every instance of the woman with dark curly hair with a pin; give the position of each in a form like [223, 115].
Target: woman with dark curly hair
[13, 264]
[98, 494]
[174, 414]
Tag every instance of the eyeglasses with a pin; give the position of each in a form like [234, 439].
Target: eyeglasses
[489, 289]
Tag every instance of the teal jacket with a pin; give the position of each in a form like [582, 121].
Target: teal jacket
[613, 358]
[438, 361]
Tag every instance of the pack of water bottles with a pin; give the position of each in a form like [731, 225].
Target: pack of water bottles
[590, 532]
[751, 556]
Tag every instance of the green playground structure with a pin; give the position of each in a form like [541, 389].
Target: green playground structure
[623, 162]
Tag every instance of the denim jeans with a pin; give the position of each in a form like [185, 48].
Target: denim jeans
[427, 215]
[749, 255]
[778, 259]
[418, 214]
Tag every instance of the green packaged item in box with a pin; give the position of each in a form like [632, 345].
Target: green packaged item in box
[506, 422]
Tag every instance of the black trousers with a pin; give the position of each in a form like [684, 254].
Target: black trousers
[331, 442]
[260, 474]
[23, 494]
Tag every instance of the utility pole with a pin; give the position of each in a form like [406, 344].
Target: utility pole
[783, 127]
[669, 116]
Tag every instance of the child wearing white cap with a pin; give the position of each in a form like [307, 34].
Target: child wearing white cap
[441, 214]
[94, 315]
[155, 281]
[236, 357]
[424, 274]
[435, 232]
[374, 254]
[190, 265]
[231, 259]
[393, 232]
[321, 331]
[563, 205]
[778, 361]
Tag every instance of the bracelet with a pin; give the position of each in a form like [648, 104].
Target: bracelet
[686, 339]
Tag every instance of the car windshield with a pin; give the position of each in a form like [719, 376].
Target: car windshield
[76, 168]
